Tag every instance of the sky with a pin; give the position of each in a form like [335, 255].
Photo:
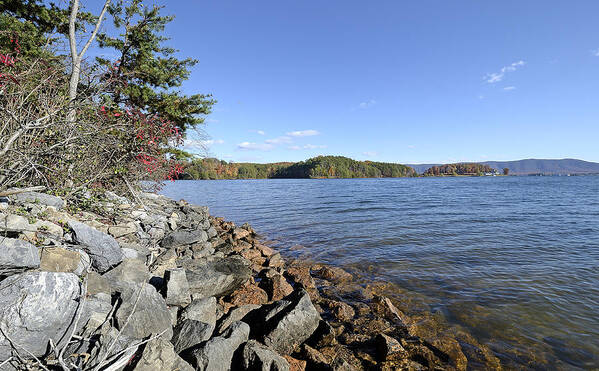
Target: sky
[416, 81]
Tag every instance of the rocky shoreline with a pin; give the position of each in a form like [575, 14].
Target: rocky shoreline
[167, 286]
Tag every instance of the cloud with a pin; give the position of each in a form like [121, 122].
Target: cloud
[249, 146]
[278, 140]
[367, 104]
[370, 154]
[303, 133]
[261, 132]
[595, 52]
[307, 146]
[508, 88]
[492, 78]
[194, 143]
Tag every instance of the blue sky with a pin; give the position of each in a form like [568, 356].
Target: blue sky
[398, 81]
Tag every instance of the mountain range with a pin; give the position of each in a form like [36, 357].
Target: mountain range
[534, 166]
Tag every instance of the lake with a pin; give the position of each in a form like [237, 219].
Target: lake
[515, 260]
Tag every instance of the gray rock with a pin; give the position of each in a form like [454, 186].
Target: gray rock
[41, 198]
[36, 307]
[179, 238]
[217, 353]
[151, 315]
[16, 223]
[130, 271]
[234, 315]
[103, 250]
[97, 284]
[211, 232]
[261, 358]
[17, 256]
[218, 277]
[286, 323]
[159, 354]
[203, 310]
[176, 287]
[190, 333]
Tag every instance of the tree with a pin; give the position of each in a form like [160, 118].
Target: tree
[150, 70]
[506, 171]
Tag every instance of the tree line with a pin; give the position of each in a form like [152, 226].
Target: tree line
[317, 167]
[472, 169]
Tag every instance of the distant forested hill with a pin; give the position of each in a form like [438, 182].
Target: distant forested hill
[533, 166]
[317, 167]
[459, 169]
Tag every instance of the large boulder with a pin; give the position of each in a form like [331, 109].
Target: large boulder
[203, 310]
[261, 358]
[151, 315]
[176, 287]
[190, 333]
[183, 237]
[38, 198]
[17, 256]
[219, 277]
[103, 250]
[130, 271]
[286, 323]
[36, 307]
[217, 353]
[159, 354]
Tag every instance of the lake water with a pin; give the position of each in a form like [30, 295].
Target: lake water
[515, 260]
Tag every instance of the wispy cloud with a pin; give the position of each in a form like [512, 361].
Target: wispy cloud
[308, 146]
[278, 140]
[194, 143]
[508, 88]
[249, 146]
[303, 133]
[595, 52]
[367, 104]
[492, 78]
[260, 132]
[370, 154]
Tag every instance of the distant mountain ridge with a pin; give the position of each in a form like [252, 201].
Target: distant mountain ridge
[534, 166]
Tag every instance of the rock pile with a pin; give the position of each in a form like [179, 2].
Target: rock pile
[169, 287]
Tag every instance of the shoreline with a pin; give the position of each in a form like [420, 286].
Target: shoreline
[185, 258]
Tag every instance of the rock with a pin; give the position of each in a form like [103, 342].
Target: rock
[190, 333]
[103, 250]
[234, 315]
[323, 336]
[17, 256]
[389, 348]
[384, 307]
[286, 323]
[295, 364]
[36, 307]
[39, 198]
[180, 237]
[176, 287]
[248, 294]
[333, 274]
[130, 271]
[159, 354]
[212, 232]
[203, 310]
[151, 315]
[239, 233]
[97, 284]
[275, 261]
[122, 230]
[276, 286]
[315, 359]
[164, 261]
[219, 277]
[301, 275]
[260, 358]
[57, 259]
[342, 311]
[16, 223]
[251, 254]
[217, 353]
[173, 220]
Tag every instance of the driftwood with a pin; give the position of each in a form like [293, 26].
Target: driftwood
[14, 191]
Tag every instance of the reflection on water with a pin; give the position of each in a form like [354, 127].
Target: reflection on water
[513, 259]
